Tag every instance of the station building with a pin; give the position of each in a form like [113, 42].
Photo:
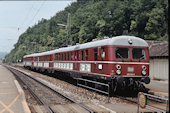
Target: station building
[159, 60]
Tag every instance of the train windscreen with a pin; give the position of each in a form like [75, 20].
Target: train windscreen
[138, 53]
[122, 53]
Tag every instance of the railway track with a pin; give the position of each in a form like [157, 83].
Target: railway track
[132, 100]
[153, 103]
[44, 94]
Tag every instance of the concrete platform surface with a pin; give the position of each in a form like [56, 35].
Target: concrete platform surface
[159, 88]
[125, 108]
[12, 99]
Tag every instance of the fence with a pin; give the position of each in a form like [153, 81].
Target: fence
[161, 106]
[95, 88]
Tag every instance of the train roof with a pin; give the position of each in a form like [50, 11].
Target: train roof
[118, 40]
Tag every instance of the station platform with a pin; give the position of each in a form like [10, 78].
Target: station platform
[12, 98]
[159, 88]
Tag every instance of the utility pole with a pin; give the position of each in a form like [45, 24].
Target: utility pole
[69, 41]
[68, 28]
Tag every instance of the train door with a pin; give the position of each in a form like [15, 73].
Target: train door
[76, 60]
[95, 51]
[51, 60]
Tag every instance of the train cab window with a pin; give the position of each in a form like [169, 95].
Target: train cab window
[86, 54]
[82, 55]
[138, 53]
[95, 54]
[122, 53]
[102, 54]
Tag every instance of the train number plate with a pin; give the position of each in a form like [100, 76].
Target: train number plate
[130, 69]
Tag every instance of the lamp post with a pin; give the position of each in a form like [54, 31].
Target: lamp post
[68, 28]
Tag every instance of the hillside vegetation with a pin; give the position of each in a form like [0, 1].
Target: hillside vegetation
[92, 19]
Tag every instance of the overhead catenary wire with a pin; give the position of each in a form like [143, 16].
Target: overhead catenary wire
[19, 28]
[28, 13]
[37, 11]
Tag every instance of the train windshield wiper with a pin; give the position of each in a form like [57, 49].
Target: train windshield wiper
[119, 55]
[142, 57]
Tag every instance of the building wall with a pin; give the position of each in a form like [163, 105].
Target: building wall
[159, 68]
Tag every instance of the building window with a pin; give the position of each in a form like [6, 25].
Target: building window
[86, 54]
[138, 53]
[82, 55]
[102, 54]
[122, 53]
[95, 54]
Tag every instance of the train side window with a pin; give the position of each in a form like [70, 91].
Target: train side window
[77, 55]
[71, 55]
[59, 56]
[82, 55]
[122, 53]
[86, 54]
[95, 54]
[138, 53]
[102, 54]
[56, 57]
[68, 56]
[64, 56]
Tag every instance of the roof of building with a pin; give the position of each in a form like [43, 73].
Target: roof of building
[158, 48]
[118, 40]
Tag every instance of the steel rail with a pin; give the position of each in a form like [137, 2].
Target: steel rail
[68, 98]
[32, 92]
[150, 99]
[130, 100]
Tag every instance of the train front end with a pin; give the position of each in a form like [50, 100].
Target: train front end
[131, 64]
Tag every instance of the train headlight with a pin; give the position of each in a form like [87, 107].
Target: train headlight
[144, 67]
[118, 72]
[130, 41]
[118, 66]
[143, 72]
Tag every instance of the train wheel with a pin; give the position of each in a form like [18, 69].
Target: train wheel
[115, 87]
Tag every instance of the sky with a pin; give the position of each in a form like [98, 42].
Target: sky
[17, 16]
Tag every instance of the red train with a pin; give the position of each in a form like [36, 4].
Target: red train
[121, 61]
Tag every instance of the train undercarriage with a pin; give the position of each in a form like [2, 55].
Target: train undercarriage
[118, 85]
[130, 85]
